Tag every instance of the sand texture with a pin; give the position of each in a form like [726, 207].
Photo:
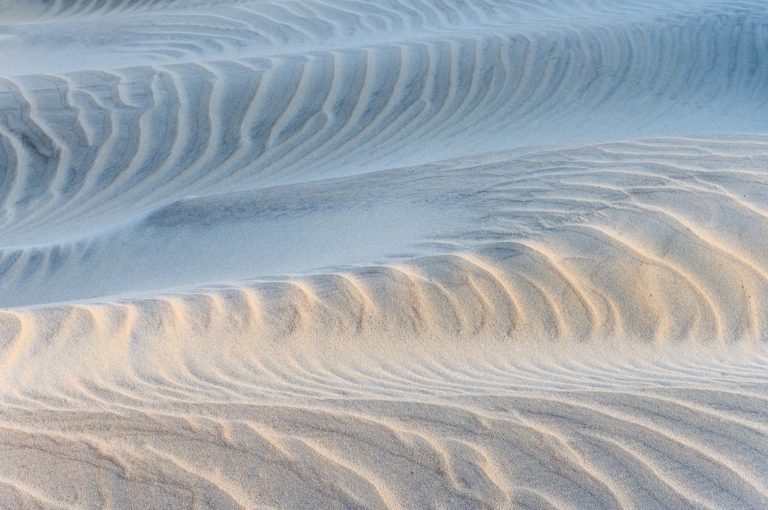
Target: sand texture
[384, 254]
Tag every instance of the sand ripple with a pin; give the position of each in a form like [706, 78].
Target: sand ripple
[346, 253]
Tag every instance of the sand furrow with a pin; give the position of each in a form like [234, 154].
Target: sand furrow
[383, 254]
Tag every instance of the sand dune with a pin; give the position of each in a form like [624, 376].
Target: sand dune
[542, 432]
[345, 253]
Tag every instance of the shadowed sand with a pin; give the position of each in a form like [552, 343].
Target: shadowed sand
[444, 254]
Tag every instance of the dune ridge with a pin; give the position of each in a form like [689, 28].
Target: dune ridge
[358, 254]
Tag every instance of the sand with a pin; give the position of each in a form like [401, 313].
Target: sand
[383, 254]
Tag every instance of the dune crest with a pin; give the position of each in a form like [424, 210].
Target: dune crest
[363, 254]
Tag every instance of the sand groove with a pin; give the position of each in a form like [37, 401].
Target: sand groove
[383, 254]
[478, 447]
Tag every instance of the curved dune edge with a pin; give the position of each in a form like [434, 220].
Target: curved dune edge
[652, 244]
[655, 241]
[238, 269]
[502, 368]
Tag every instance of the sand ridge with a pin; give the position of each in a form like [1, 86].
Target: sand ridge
[358, 254]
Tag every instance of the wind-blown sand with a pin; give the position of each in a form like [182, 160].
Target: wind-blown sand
[401, 254]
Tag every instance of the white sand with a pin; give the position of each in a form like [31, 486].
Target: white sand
[403, 254]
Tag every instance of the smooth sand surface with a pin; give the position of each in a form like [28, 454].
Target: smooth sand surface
[383, 254]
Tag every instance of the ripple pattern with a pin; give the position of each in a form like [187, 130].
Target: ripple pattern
[383, 254]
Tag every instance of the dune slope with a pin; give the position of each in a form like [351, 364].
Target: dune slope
[346, 253]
